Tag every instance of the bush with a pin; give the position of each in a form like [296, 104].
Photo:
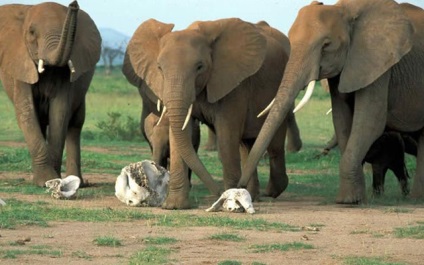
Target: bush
[116, 129]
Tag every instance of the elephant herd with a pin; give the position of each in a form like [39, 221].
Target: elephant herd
[240, 79]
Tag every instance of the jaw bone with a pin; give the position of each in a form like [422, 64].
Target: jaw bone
[63, 188]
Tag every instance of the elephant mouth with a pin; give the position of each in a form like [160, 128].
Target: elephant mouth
[41, 63]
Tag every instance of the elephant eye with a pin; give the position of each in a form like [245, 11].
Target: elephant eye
[159, 67]
[199, 66]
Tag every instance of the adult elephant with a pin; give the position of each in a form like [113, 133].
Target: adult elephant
[63, 44]
[223, 73]
[373, 56]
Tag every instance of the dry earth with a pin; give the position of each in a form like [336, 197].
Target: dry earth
[343, 232]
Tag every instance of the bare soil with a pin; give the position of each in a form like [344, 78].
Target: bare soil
[343, 232]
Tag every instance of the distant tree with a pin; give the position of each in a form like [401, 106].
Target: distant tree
[109, 54]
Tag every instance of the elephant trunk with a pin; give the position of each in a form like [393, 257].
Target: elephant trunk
[64, 48]
[296, 76]
[177, 113]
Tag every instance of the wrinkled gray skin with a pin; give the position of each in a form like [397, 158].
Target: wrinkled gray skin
[49, 106]
[220, 67]
[373, 56]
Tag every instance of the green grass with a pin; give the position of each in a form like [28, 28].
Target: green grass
[151, 255]
[107, 241]
[159, 240]
[369, 261]
[31, 250]
[263, 248]
[416, 231]
[227, 237]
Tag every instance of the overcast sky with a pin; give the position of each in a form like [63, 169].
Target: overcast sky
[126, 15]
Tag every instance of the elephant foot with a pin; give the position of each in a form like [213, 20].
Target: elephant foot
[293, 147]
[276, 187]
[43, 174]
[352, 197]
[176, 201]
[404, 186]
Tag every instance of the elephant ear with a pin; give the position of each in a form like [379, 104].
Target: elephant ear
[275, 34]
[381, 36]
[143, 50]
[238, 51]
[14, 57]
[87, 45]
[135, 80]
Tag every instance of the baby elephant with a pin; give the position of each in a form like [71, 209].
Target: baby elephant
[388, 152]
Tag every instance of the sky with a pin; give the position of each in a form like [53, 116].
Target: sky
[126, 15]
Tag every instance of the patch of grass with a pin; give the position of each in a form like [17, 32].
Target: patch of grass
[369, 261]
[229, 262]
[114, 128]
[280, 247]
[107, 241]
[151, 255]
[416, 232]
[82, 255]
[32, 250]
[227, 237]
[159, 240]
[397, 210]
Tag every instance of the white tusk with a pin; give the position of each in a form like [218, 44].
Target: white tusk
[306, 97]
[329, 111]
[71, 67]
[161, 116]
[40, 66]
[266, 110]
[187, 119]
[158, 105]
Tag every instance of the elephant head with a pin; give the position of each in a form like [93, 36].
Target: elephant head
[44, 35]
[208, 59]
[354, 42]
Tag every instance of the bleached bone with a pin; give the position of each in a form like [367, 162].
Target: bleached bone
[234, 200]
[142, 184]
[63, 188]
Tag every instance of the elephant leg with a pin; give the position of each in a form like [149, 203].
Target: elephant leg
[228, 141]
[28, 122]
[369, 120]
[179, 185]
[253, 184]
[211, 142]
[73, 144]
[294, 142]
[278, 179]
[378, 176]
[59, 117]
[417, 191]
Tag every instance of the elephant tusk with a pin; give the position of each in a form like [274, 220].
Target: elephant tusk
[329, 111]
[187, 119]
[158, 105]
[40, 66]
[71, 67]
[161, 116]
[306, 97]
[266, 110]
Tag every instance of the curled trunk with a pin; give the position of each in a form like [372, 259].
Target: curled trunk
[64, 48]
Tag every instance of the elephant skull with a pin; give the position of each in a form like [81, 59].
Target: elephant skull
[234, 200]
[63, 188]
[142, 184]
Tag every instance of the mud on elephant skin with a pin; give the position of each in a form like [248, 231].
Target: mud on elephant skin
[371, 52]
[213, 70]
[48, 54]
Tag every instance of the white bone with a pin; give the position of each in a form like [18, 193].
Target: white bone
[306, 97]
[63, 188]
[142, 184]
[234, 200]
[187, 119]
[40, 66]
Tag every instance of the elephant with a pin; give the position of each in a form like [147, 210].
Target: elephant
[372, 54]
[213, 71]
[48, 54]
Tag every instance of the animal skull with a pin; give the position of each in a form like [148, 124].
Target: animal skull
[142, 184]
[234, 200]
[63, 188]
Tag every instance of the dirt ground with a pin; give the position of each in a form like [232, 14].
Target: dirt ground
[343, 232]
